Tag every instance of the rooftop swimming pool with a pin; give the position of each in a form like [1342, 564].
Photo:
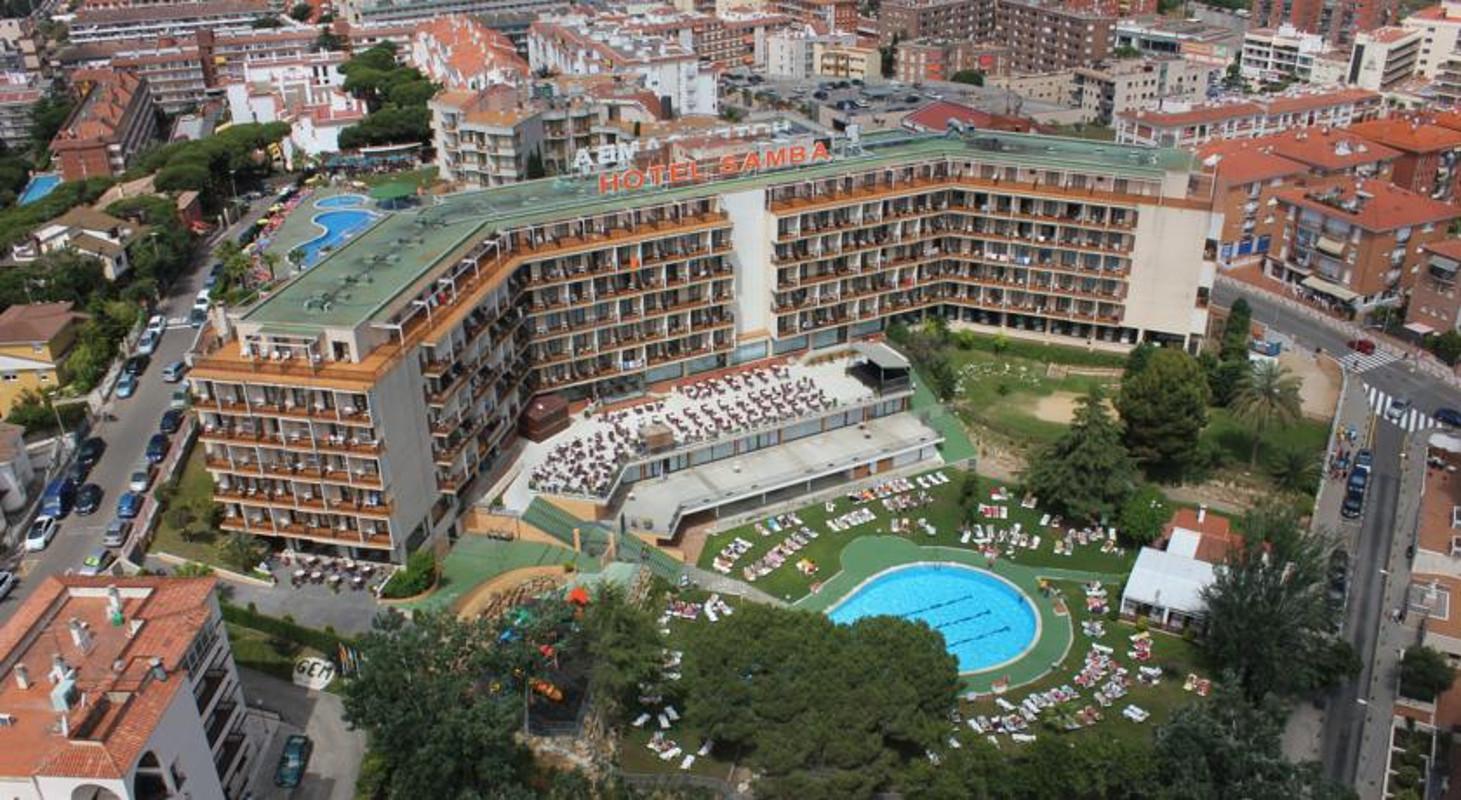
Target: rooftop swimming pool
[339, 227]
[341, 201]
[984, 619]
[39, 186]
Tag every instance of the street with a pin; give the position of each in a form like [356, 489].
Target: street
[137, 419]
[1377, 543]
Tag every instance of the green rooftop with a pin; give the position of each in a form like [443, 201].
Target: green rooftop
[360, 282]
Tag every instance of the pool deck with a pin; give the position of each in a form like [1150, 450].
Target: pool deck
[869, 555]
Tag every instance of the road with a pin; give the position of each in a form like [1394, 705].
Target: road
[126, 438]
[1372, 541]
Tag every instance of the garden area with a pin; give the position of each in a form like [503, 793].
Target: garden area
[271, 645]
[187, 526]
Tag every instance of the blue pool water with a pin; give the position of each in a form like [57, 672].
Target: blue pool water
[341, 201]
[39, 186]
[339, 226]
[985, 621]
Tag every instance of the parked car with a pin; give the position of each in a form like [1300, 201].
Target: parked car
[129, 505]
[117, 532]
[1362, 346]
[41, 532]
[78, 471]
[157, 324]
[172, 373]
[96, 562]
[147, 344]
[1449, 417]
[88, 499]
[172, 419]
[197, 317]
[56, 502]
[141, 479]
[136, 365]
[7, 583]
[157, 448]
[127, 386]
[1397, 408]
[1359, 479]
[1364, 458]
[90, 451]
[1354, 503]
[179, 399]
[293, 761]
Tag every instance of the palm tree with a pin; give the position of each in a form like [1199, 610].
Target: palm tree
[1268, 399]
[1294, 469]
[241, 550]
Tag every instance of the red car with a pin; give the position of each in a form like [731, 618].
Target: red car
[1364, 346]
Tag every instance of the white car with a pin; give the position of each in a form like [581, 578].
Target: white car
[141, 479]
[147, 345]
[1397, 408]
[157, 325]
[41, 532]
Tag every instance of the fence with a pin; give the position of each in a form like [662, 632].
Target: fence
[134, 551]
[655, 780]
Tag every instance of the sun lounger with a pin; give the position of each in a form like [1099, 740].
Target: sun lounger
[1004, 704]
[964, 537]
[705, 748]
[710, 613]
[688, 762]
[664, 722]
[1023, 738]
[1135, 714]
[640, 720]
[672, 713]
[670, 754]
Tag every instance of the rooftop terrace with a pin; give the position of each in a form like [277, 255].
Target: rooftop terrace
[362, 281]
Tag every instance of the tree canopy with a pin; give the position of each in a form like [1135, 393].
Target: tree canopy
[820, 710]
[214, 165]
[1086, 474]
[1144, 514]
[1425, 674]
[1268, 398]
[396, 96]
[1164, 409]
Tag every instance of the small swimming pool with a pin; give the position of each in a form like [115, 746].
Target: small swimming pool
[984, 619]
[38, 187]
[339, 227]
[341, 201]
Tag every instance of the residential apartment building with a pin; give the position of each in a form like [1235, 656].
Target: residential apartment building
[1046, 36]
[837, 15]
[1440, 28]
[1247, 172]
[122, 688]
[729, 39]
[792, 52]
[941, 59]
[361, 405]
[460, 52]
[1435, 305]
[113, 122]
[583, 44]
[1336, 20]
[171, 20]
[86, 231]
[957, 20]
[19, 48]
[1384, 58]
[1356, 243]
[1428, 154]
[365, 12]
[18, 96]
[1276, 54]
[307, 93]
[1162, 35]
[35, 339]
[1126, 85]
[1249, 118]
[847, 61]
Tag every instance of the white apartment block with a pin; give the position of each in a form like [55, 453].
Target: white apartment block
[1384, 58]
[304, 92]
[576, 44]
[1440, 27]
[1275, 54]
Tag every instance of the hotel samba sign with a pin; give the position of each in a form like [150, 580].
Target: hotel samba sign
[614, 163]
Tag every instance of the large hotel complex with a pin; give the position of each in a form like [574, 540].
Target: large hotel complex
[376, 397]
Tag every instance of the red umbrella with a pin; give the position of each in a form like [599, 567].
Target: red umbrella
[578, 596]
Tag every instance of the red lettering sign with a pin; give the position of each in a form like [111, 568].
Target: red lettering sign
[677, 172]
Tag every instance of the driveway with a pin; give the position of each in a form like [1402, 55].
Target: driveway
[335, 763]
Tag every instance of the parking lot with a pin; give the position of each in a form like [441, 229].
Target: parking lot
[334, 762]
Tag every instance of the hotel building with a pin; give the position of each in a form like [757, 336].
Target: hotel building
[368, 402]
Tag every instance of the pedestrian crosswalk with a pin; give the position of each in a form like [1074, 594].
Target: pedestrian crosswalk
[1360, 362]
[1412, 420]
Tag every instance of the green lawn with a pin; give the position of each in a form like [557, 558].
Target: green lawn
[999, 392]
[476, 559]
[1175, 656]
[1236, 441]
[416, 177]
[195, 490]
[944, 514]
[263, 652]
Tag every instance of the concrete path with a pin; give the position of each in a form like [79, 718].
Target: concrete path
[335, 763]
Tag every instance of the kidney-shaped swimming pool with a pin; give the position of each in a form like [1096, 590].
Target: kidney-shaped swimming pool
[985, 620]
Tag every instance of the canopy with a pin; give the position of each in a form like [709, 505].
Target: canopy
[395, 190]
[578, 596]
[1330, 288]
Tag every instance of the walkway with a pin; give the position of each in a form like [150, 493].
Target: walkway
[715, 582]
[869, 555]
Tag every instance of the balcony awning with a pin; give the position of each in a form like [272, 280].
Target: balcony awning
[1419, 328]
[1330, 288]
[1333, 247]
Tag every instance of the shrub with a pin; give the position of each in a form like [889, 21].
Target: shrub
[323, 641]
[418, 576]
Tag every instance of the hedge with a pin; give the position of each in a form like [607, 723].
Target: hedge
[418, 576]
[1037, 351]
[327, 643]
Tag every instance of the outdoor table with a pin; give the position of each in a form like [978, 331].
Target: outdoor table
[316, 575]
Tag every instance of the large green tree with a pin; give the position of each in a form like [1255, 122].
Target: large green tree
[1269, 622]
[820, 710]
[1164, 409]
[1144, 514]
[1425, 674]
[624, 647]
[1086, 474]
[1267, 399]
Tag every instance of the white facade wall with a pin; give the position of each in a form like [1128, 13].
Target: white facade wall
[1439, 38]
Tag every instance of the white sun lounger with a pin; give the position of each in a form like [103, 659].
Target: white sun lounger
[672, 713]
[688, 762]
[664, 722]
[1023, 738]
[640, 720]
[705, 747]
[964, 537]
[670, 754]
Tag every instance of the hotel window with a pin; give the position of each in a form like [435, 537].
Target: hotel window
[11, 377]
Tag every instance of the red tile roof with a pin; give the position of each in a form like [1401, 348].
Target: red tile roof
[936, 116]
[1409, 135]
[1385, 208]
[36, 322]
[1450, 248]
[1305, 100]
[1328, 149]
[120, 702]
[1239, 162]
[1216, 538]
